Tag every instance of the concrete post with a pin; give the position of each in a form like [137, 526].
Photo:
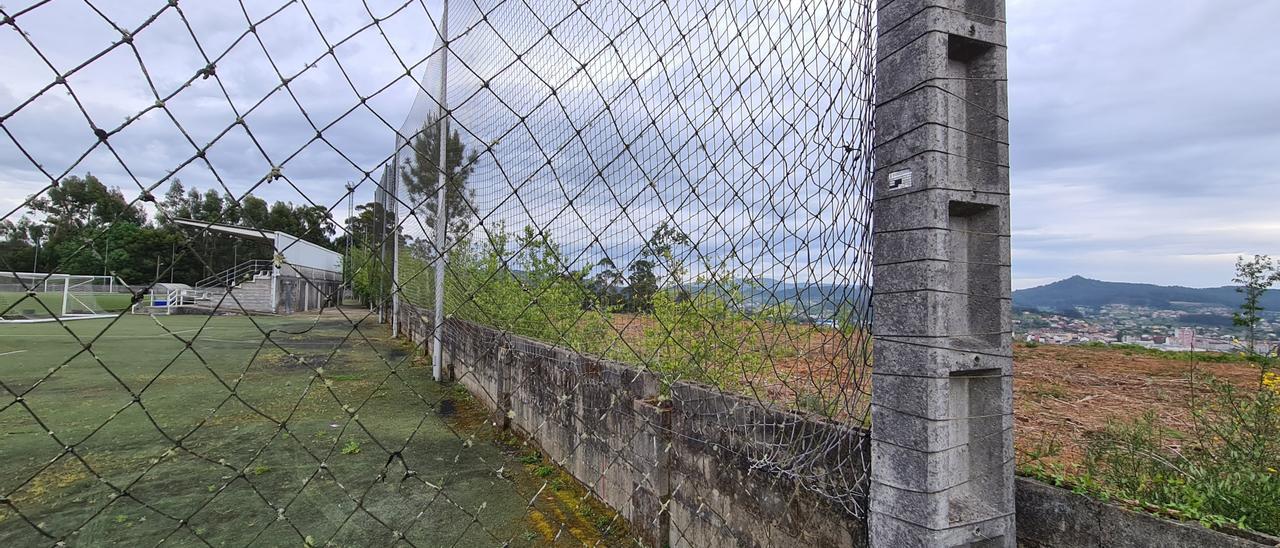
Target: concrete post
[942, 398]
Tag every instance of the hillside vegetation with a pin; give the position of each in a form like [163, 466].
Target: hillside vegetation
[1079, 291]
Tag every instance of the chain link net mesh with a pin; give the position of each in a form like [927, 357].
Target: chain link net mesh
[656, 233]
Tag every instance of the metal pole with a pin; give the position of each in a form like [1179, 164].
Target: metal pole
[437, 352]
[351, 213]
[66, 294]
[395, 251]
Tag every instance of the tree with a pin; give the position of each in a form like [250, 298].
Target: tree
[1254, 277]
[78, 212]
[314, 225]
[421, 177]
[281, 218]
[195, 203]
[253, 211]
[644, 279]
[367, 227]
[20, 244]
[175, 202]
[78, 203]
[212, 207]
[132, 256]
[610, 284]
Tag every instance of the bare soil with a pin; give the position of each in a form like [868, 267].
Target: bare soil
[1061, 393]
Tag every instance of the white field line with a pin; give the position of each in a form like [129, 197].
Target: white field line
[106, 336]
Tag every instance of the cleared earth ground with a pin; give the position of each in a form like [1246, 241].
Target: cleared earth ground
[1061, 393]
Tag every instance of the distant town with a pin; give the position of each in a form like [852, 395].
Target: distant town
[1190, 327]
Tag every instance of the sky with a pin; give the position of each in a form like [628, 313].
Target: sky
[1145, 138]
[1144, 134]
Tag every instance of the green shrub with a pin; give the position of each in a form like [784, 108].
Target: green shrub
[703, 335]
[1224, 471]
[370, 277]
[530, 291]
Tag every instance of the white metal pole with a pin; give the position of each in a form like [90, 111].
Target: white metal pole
[437, 353]
[66, 293]
[395, 253]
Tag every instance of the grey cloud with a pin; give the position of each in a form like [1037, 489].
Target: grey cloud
[113, 88]
[1144, 132]
[1143, 138]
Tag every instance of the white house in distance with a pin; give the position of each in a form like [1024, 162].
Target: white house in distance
[301, 276]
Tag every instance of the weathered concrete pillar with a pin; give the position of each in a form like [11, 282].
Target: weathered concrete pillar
[942, 405]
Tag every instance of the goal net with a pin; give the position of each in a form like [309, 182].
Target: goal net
[38, 296]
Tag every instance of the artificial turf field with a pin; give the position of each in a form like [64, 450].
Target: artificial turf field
[249, 466]
[21, 305]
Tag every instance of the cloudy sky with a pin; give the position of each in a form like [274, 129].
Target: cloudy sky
[1145, 138]
[1145, 133]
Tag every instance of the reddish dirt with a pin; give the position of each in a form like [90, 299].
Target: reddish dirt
[1061, 393]
[797, 361]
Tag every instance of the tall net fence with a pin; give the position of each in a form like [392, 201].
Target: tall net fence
[654, 248]
[684, 188]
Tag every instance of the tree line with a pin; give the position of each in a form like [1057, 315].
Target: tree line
[629, 288]
[85, 226]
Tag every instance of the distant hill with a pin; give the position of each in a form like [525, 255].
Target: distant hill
[1079, 291]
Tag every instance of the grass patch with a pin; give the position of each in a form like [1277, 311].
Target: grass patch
[343, 378]
[351, 448]
[1222, 471]
[1203, 357]
[21, 305]
[235, 450]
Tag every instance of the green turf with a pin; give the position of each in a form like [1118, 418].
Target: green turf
[21, 305]
[85, 398]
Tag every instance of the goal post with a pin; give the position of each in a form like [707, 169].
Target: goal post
[43, 297]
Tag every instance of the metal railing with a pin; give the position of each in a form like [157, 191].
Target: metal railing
[236, 275]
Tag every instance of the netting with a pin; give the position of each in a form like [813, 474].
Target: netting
[653, 241]
[679, 187]
[36, 297]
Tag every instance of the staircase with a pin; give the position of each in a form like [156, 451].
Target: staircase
[234, 276]
[249, 282]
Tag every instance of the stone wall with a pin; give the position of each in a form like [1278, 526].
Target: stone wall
[593, 417]
[1049, 517]
[694, 469]
[705, 468]
[729, 487]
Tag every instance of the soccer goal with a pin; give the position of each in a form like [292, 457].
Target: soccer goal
[44, 297]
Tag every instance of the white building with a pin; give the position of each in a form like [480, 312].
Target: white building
[300, 276]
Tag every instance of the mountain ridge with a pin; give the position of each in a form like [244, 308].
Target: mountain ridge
[1078, 291]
